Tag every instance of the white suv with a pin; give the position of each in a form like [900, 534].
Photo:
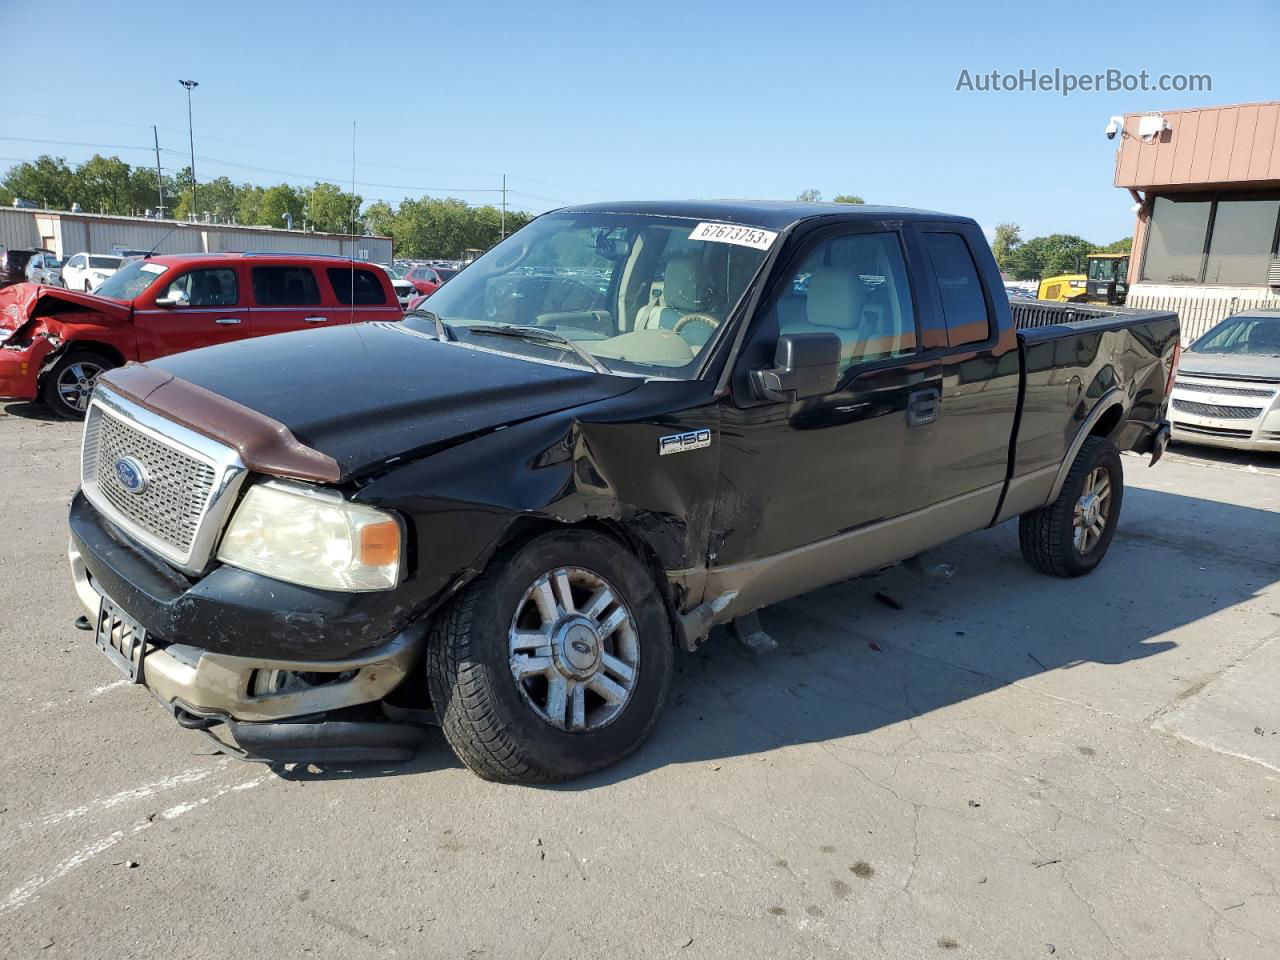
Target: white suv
[86, 271]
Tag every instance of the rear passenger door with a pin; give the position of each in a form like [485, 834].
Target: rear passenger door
[980, 367]
[286, 297]
[362, 294]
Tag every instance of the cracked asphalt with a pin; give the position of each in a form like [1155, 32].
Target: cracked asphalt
[1009, 766]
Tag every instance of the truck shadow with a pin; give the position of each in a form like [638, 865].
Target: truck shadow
[848, 663]
[29, 410]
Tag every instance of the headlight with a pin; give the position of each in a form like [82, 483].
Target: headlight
[313, 537]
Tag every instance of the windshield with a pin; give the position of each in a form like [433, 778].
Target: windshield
[130, 280]
[1243, 336]
[104, 263]
[446, 273]
[642, 294]
[395, 272]
[1108, 269]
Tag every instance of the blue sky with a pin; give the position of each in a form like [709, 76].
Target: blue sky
[578, 102]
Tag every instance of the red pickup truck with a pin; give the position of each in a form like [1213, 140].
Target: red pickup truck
[54, 343]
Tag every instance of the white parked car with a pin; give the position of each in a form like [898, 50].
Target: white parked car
[1227, 393]
[404, 289]
[86, 271]
[45, 268]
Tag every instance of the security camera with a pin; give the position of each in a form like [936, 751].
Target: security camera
[1114, 126]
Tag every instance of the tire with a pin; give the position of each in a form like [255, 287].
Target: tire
[499, 726]
[55, 389]
[1049, 538]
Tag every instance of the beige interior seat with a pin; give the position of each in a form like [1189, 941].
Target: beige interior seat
[684, 291]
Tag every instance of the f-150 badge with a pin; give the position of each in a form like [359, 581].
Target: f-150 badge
[682, 442]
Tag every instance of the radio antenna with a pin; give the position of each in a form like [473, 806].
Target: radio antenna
[353, 222]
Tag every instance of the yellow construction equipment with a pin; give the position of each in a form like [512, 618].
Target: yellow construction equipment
[1105, 280]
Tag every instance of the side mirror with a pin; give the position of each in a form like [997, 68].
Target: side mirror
[178, 298]
[804, 365]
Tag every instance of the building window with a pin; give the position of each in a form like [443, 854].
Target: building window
[1175, 240]
[1240, 250]
[1211, 240]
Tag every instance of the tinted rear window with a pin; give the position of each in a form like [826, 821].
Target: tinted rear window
[364, 284]
[285, 286]
[964, 307]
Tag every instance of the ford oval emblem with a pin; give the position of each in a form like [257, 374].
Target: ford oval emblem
[132, 475]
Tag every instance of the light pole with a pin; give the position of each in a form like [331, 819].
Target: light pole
[191, 85]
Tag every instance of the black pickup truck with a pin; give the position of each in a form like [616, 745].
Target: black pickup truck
[623, 425]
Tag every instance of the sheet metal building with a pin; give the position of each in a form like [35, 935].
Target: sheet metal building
[1208, 184]
[68, 233]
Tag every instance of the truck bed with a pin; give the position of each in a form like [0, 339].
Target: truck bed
[1106, 367]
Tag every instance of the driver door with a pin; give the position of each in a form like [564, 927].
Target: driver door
[796, 474]
[198, 307]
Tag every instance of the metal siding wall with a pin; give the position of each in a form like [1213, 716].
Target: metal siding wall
[18, 230]
[84, 233]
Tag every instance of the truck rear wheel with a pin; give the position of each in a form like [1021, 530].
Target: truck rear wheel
[554, 662]
[1070, 536]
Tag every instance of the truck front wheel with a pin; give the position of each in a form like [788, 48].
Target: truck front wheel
[554, 662]
[1070, 536]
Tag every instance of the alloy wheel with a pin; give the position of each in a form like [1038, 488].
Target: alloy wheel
[574, 649]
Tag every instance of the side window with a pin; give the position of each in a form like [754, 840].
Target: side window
[285, 287]
[205, 288]
[360, 287]
[964, 307]
[854, 286]
[77, 261]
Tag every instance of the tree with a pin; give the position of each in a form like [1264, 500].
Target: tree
[331, 210]
[848, 198]
[1050, 256]
[48, 181]
[1008, 238]
[1120, 246]
[809, 196]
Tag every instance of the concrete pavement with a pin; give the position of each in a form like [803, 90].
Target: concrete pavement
[1009, 766]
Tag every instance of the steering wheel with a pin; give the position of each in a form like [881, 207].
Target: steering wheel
[689, 318]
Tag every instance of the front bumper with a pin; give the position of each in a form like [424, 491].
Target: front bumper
[20, 369]
[220, 686]
[1234, 414]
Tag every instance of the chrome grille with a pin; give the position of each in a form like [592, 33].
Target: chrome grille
[1222, 391]
[1213, 410]
[171, 506]
[191, 481]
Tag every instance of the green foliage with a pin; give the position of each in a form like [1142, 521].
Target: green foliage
[1120, 246]
[1007, 240]
[423, 228]
[847, 198]
[809, 196]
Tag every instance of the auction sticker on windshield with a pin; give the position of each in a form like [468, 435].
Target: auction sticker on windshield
[734, 233]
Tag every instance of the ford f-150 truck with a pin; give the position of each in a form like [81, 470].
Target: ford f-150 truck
[623, 425]
[54, 343]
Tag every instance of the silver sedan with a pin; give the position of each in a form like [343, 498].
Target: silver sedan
[1227, 393]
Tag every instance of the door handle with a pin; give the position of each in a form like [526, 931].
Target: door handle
[315, 319]
[227, 321]
[922, 407]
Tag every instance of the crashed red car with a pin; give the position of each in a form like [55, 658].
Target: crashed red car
[54, 342]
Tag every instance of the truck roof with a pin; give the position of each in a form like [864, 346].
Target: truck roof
[770, 214]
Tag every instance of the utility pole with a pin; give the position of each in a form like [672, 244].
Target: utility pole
[502, 229]
[191, 137]
[159, 175]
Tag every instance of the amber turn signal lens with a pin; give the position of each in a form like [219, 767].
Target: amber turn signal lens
[380, 544]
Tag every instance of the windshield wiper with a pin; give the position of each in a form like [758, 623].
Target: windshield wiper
[544, 335]
[442, 330]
